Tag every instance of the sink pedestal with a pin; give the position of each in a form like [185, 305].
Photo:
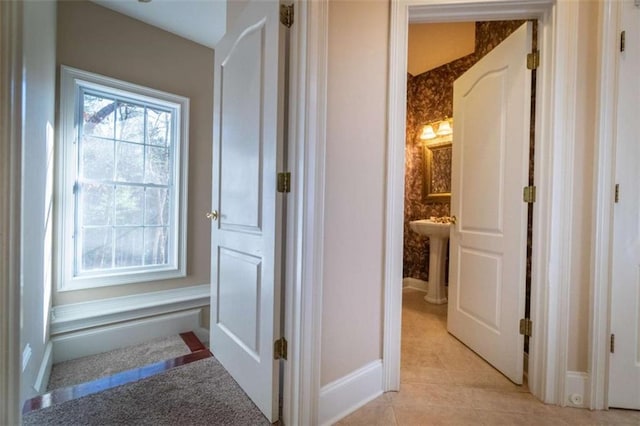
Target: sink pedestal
[438, 234]
[437, 292]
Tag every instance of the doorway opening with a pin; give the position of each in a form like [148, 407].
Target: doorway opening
[438, 54]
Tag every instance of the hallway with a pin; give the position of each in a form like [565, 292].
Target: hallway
[445, 383]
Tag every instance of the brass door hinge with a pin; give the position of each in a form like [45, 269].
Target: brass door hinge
[616, 196]
[526, 327]
[284, 182]
[280, 349]
[612, 343]
[286, 15]
[529, 194]
[533, 60]
[623, 40]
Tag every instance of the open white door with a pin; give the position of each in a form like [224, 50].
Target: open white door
[490, 167]
[246, 229]
[624, 369]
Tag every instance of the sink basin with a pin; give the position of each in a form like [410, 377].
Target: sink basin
[429, 228]
[438, 234]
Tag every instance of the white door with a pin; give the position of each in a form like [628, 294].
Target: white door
[624, 370]
[245, 259]
[490, 167]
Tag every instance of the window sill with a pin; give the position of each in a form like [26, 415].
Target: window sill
[78, 316]
[89, 282]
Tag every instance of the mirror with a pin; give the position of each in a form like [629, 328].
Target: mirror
[436, 178]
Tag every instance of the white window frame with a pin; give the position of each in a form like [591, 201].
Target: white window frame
[72, 83]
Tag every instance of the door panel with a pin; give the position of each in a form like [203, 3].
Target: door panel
[490, 166]
[245, 252]
[238, 297]
[480, 303]
[483, 147]
[624, 370]
[241, 142]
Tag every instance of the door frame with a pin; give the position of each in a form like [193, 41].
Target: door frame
[555, 142]
[604, 184]
[11, 122]
[305, 212]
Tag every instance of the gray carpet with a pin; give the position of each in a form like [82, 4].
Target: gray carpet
[93, 367]
[200, 393]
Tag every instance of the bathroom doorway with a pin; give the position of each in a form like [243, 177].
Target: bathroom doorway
[490, 243]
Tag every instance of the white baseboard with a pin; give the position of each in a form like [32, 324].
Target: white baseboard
[415, 284]
[577, 390]
[344, 396]
[102, 339]
[42, 380]
[95, 313]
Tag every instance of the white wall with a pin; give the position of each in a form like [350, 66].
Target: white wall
[37, 180]
[355, 187]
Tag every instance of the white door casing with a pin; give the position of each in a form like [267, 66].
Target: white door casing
[245, 253]
[624, 367]
[490, 166]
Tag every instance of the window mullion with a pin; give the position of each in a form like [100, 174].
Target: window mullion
[113, 227]
[144, 180]
[77, 210]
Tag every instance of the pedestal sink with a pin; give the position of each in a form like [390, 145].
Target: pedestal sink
[438, 234]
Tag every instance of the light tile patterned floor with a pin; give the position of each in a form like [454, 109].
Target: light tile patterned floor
[444, 383]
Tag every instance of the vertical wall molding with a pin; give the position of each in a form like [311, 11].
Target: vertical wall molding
[11, 102]
[559, 209]
[394, 220]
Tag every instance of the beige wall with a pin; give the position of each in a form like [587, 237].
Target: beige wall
[432, 45]
[355, 183]
[99, 40]
[577, 359]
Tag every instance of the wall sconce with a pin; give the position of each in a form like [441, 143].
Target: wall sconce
[444, 128]
[428, 133]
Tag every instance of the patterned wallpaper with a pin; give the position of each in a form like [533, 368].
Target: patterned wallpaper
[429, 99]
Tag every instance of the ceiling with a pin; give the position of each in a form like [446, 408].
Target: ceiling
[434, 44]
[202, 21]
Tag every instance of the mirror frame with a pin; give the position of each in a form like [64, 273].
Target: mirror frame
[428, 149]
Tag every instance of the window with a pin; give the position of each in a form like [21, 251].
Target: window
[123, 174]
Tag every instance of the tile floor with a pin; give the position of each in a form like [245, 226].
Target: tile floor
[445, 383]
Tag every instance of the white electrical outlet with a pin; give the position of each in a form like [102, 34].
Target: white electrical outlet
[576, 399]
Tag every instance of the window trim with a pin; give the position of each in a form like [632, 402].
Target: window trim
[72, 83]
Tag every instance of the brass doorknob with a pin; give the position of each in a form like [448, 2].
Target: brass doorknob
[454, 220]
[213, 215]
